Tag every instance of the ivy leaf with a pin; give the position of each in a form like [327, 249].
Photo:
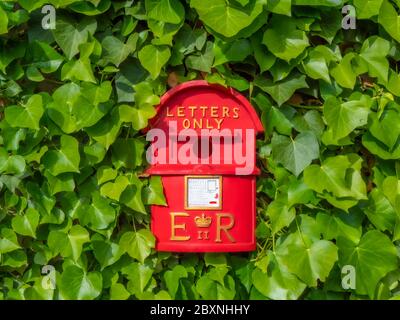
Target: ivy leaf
[212, 289]
[11, 164]
[310, 263]
[280, 215]
[202, 61]
[153, 58]
[344, 73]
[367, 9]
[376, 147]
[76, 107]
[115, 51]
[340, 225]
[113, 190]
[280, 7]
[118, 292]
[127, 153]
[154, 192]
[380, 211]
[295, 154]
[70, 34]
[281, 91]
[169, 11]
[3, 21]
[106, 252]
[28, 115]
[78, 70]
[105, 174]
[389, 19]
[132, 196]
[237, 50]
[283, 38]
[68, 244]
[63, 182]
[391, 190]
[64, 159]
[26, 224]
[343, 118]
[278, 283]
[8, 241]
[338, 177]
[138, 244]
[374, 52]
[99, 215]
[227, 18]
[77, 284]
[139, 276]
[386, 128]
[172, 279]
[373, 257]
[43, 57]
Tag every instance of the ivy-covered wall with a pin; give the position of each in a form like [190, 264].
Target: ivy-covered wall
[80, 79]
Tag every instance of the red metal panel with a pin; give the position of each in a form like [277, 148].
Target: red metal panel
[238, 200]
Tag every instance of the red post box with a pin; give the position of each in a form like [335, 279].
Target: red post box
[203, 147]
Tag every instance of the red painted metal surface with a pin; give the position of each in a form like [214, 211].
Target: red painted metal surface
[231, 227]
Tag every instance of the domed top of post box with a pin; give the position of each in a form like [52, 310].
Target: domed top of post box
[204, 111]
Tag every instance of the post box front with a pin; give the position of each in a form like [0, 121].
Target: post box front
[203, 145]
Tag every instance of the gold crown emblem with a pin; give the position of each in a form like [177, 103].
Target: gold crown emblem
[203, 221]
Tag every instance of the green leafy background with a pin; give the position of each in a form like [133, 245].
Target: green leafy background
[73, 102]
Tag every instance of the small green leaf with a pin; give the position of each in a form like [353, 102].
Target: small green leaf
[281, 91]
[8, 241]
[3, 21]
[28, 115]
[373, 257]
[26, 224]
[153, 58]
[284, 39]
[227, 18]
[76, 284]
[310, 263]
[70, 34]
[138, 244]
[278, 283]
[64, 159]
[295, 154]
[170, 11]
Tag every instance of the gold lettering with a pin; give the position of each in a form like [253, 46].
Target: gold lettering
[186, 124]
[225, 228]
[235, 113]
[209, 126]
[225, 112]
[204, 110]
[192, 109]
[198, 123]
[214, 112]
[202, 235]
[168, 113]
[181, 112]
[175, 227]
[219, 123]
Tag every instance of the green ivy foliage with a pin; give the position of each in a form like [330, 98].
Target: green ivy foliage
[73, 102]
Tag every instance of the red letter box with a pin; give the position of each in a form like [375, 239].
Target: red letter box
[203, 145]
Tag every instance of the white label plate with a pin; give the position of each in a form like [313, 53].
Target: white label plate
[203, 193]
